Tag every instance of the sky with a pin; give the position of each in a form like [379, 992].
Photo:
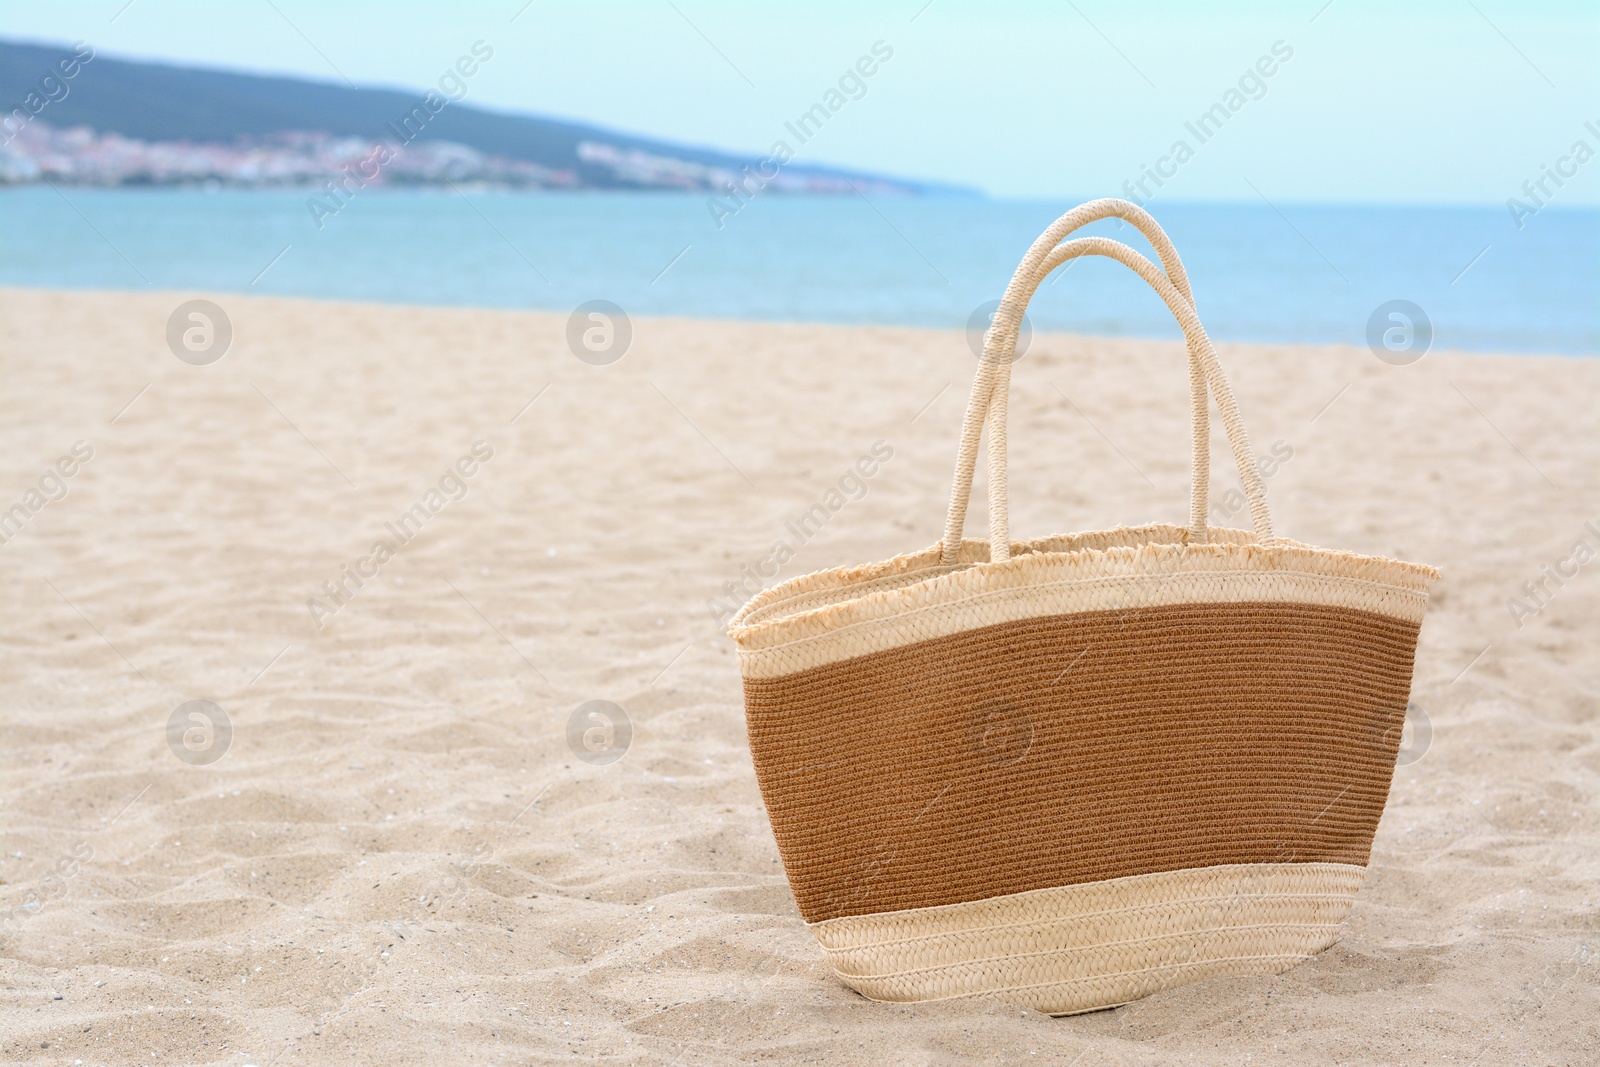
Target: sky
[1449, 102]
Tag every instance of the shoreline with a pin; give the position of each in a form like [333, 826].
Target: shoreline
[180, 295]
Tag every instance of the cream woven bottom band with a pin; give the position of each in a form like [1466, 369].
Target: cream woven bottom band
[1098, 944]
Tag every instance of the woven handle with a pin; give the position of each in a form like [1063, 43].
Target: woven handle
[987, 404]
[1200, 462]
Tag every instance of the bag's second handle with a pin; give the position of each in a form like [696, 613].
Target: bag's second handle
[987, 404]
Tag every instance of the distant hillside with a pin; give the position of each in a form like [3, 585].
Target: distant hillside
[157, 102]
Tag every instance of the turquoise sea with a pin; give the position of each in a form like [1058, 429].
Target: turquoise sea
[1279, 272]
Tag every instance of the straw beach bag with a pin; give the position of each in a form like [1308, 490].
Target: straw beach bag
[1069, 772]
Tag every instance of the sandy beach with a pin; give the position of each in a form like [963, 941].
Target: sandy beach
[397, 856]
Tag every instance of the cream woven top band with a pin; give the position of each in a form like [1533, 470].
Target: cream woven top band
[987, 404]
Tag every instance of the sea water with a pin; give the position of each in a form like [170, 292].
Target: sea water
[1261, 272]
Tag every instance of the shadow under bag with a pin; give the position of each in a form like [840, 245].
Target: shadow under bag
[1067, 773]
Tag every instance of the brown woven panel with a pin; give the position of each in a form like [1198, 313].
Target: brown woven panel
[1069, 749]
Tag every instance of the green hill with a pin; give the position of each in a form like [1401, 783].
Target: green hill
[162, 102]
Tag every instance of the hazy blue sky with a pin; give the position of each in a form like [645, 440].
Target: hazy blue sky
[1458, 101]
